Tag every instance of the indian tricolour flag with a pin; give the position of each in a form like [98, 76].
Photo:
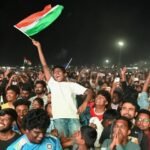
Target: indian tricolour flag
[38, 21]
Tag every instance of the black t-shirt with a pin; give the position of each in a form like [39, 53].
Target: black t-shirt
[5, 144]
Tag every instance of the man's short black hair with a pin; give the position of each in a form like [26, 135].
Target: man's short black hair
[134, 103]
[110, 114]
[89, 135]
[14, 88]
[36, 118]
[143, 111]
[40, 82]
[125, 119]
[9, 111]
[106, 94]
[60, 67]
[26, 87]
[22, 102]
[39, 100]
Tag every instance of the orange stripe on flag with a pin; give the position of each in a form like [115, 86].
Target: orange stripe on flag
[30, 19]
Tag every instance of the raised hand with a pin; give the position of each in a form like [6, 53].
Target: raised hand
[36, 43]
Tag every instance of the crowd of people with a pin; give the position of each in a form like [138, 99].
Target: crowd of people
[77, 108]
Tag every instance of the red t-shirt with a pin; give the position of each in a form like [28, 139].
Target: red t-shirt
[94, 114]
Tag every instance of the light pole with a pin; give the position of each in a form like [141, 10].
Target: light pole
[120, 44]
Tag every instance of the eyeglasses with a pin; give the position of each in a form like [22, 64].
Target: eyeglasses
[143, 120]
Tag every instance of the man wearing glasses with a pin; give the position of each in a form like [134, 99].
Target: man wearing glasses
[143, 122]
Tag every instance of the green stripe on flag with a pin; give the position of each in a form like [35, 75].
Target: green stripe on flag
[45, 21]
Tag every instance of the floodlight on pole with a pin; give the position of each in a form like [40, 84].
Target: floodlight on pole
[120, 44]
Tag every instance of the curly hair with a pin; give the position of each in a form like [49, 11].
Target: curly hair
[89, 134]
[21, 102]
[36, 118]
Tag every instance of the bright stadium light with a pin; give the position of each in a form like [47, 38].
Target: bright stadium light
[120, 45]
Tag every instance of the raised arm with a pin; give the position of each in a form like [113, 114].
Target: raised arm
[89, 95]
[146, 84]
[46, 70]
[143, 98]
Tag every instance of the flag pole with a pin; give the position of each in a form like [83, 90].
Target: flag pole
[68, 63]
[23, 32]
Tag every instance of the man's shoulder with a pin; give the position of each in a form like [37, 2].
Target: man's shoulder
[133, 145]
[5, 105]
[19, 143]
[136, 135]
[32, 98]
[50, 138]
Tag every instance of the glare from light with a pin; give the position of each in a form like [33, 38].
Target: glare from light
[121, 43]
[107, 61]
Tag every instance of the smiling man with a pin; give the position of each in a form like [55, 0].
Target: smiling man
[7, 135]
[143, 122]
[63, 96]
[35, 124]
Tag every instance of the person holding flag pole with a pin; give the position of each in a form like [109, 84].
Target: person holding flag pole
[63, 94]
[63, 97]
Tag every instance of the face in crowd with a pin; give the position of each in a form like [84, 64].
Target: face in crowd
[25, 94]
[5, 122]
[100, 100]
[121, 128]
[35, 135]
[35, 124]
[59, 74]
[7, 117]
[128, 110]
[39, 88]
[143, 121]
[21, 110]
[11, 95]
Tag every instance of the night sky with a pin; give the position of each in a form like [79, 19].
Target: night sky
[87, 31]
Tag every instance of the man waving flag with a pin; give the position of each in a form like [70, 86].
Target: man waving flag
[38, 21]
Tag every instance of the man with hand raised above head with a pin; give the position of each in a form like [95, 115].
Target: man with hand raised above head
[63, 96]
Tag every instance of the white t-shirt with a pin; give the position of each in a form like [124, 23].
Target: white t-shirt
[63, 98]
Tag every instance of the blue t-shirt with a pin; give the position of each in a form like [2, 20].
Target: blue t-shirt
[48, 143]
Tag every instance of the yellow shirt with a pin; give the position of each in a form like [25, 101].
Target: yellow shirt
[6, 106]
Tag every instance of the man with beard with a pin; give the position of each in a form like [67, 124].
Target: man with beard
[129, 110]
[7, 135]
[40, 91]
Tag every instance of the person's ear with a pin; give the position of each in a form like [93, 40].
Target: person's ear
[82, 142]
[129, 132]
[27, 131]
[45, 89]
[106, 102]
[136, 114]
[65, 74]
[17, 95]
